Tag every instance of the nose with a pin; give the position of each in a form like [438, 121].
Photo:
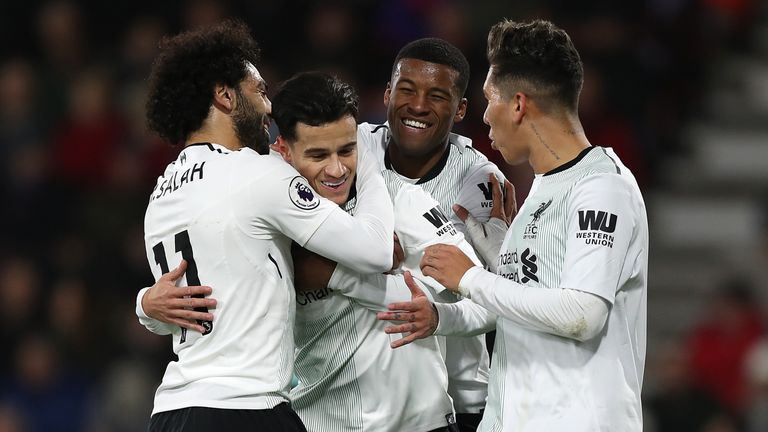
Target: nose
[268, 105]
[485, 116]
[418, 104]
[335, 168]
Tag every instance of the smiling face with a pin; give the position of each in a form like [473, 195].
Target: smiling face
[422, 104]
[326, 156]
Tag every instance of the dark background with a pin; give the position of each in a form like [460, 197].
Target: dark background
[678, 87]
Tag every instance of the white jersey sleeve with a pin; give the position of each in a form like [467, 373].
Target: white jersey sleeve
[476, 195]
[564, 312]
[321, 226]
[602, 220]
[419, 223]
[151, 324]
[374, 291]
[463, 318]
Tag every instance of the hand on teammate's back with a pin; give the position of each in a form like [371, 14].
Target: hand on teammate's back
[172, 304]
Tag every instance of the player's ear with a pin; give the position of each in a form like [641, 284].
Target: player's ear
[224, 97]
[519, 104]
[461, 111]
[282, 147]
[387, 93]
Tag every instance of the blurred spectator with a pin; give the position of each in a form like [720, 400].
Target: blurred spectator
[677, 404]
[757, 379]
[20, 300]
[47, 396]
[719, 344]
[10, 420]
[84, 143]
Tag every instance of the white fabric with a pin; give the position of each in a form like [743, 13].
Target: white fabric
[486, 237]
[349, 377]
[583, 228]
[240, 211]
[464, 181]
[564, 312]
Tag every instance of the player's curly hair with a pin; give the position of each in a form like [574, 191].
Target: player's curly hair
[185, 72]
[312, 98]
[539, 54]
[435, 50]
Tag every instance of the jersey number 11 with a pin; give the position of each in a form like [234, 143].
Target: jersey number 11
[184, 246]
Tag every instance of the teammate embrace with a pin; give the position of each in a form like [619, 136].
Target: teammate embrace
[342, 193]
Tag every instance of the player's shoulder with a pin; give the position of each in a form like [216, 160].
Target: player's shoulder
[467, 159]
[371, 133]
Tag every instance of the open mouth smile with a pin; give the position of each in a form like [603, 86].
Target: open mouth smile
[415, 124]
[334, 185]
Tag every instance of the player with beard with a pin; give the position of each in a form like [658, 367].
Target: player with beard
[231, 214]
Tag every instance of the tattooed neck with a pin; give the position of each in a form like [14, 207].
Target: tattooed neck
[544, 143]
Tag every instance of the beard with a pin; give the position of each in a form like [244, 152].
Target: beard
[249, 125]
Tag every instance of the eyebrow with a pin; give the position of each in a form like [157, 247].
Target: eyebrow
[430, 90]
[317, 151]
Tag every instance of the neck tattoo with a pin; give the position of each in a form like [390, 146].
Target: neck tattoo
[541, 140]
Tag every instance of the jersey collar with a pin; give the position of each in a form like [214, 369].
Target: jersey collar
[570, 163]
[434, 172]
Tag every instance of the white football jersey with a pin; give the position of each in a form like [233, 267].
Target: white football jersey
[583, 227]
[460, 177]
[349, 377]
[232, 216]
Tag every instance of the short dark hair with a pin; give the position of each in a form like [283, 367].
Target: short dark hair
[540, 54]
[312, 98]
[186, 71]
[435, 50]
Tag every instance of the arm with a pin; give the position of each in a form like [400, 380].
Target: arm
[367, 237]
[290, 206]
[563, 312]
[476, 194]
[463, 318]
[579, 307]
[487, 237]
[375, 291]
[312, 271]
[163, 307]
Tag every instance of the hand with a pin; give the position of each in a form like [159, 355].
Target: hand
[488, 237]
[311, 271]
[176, 305]
[398, 256]
[420, 314]
[446, 263]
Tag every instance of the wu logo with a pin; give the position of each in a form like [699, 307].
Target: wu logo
[436, 217]
[529, 266]
[537, 214]
[597, 221]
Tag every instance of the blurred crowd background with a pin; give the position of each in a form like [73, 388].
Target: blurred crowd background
[678, 87]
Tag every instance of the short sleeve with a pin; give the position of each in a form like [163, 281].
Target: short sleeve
[419, 223]
[476, 194]
[601, 224]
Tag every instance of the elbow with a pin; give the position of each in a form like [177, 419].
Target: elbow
[581, 330]
[586, 326]
[380, 262]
